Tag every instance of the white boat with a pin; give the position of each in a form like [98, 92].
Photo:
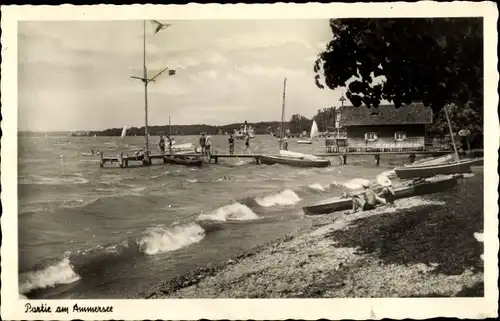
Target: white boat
[314, 133]
[124, 132]
[243, 132]
[294, 159]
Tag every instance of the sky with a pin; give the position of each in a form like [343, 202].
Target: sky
[75, 75]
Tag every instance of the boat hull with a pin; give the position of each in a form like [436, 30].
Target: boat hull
[184, 160]
[341, 204]
[429, 171]
[304, 142]
[295, 162]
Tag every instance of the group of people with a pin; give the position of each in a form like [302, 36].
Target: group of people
[161, 144]
[368, 199]
[206, 143]
[231, 143]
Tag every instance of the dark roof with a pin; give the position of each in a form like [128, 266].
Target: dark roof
[415, 113]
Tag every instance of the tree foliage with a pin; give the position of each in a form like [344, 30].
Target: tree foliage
[299, 123]
[434, 60]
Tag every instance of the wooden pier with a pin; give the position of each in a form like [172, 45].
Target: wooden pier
[123, 160]
[342, 155]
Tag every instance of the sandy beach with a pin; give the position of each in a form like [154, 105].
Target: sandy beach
[423, 247]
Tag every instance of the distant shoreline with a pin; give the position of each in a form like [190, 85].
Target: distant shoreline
[262, 127]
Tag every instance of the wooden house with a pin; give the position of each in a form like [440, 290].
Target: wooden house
[385, 128]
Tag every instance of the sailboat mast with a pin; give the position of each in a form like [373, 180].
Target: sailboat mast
[169, 128]
[283, 111]
[145, 77]
[451, 132]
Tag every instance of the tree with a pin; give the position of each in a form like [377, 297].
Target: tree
[299, 123]
[434, 60]
[461, 118]
[325, 118]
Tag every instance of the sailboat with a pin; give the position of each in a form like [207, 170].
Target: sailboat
[285, 157]
[425, 170]
[313, 133]
[124, 132]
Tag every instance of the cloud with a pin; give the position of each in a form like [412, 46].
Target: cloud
[76, 74]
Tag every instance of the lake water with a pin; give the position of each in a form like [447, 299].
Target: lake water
[91, 232]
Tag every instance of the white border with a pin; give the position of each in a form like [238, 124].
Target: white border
[13, 308]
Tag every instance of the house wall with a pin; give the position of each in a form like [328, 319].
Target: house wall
[415, 137]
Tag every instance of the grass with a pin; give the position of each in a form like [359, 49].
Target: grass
[441, 235]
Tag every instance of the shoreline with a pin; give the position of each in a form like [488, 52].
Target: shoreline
[427, 242]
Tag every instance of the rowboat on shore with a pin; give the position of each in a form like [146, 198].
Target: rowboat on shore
[434, 185]
[294, 159]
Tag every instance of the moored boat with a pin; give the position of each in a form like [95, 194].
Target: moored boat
[432, 161]
[423, 171]
[293, 161]
[184, 160]
[430, 186]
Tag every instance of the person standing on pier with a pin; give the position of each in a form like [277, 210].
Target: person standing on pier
[162, 144]
[247, 143]
[208, 144]
[231, 144]
[202, 142]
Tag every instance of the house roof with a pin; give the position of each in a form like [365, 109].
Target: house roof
[415, 113]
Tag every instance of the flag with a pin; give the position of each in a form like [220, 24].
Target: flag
[171, 72]
[159, 26]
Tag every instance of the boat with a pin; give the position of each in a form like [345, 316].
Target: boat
[412, 172]
[244, 131]
[432, 161]
[446, 167]
[294, 159]
[429, 186]
[124, 132]
[186, 160]
[313, 133]
[285, 157]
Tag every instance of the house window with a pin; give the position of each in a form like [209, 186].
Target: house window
[399, 136]
[370, 136]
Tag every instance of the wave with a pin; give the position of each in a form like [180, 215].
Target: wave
[355, 183]
[103, 261]
[317, 187]
[192, 180]
[60, 273]
[232, 212]
[286, 197]
[43, 180]
[159, 239]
